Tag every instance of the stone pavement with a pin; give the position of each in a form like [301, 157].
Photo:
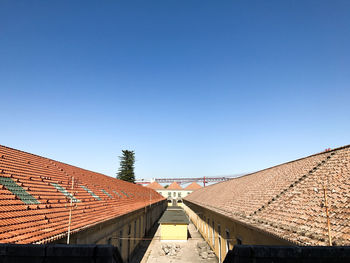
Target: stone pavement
[176, 252]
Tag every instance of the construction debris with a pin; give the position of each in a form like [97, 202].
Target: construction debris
[170, 249]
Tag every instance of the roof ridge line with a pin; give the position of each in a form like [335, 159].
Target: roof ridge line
[315, 154]
[49, 159]
[299, 180]
[258, 171]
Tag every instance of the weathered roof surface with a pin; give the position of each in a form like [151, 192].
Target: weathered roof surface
[155, 186]
[174, 186]
[35, 192]
[174, 216]
[287, 200]
[193, 186]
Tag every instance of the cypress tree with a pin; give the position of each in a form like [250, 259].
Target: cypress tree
[126, 169]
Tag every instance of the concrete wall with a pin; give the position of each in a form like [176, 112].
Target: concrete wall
[56, 253]
[173, 231]
[226, 231]
[124, 232]
[290, 254]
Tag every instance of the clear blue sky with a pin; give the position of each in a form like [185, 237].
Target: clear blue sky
[196, 88]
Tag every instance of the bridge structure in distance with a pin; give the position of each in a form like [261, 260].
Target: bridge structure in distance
[180, 180]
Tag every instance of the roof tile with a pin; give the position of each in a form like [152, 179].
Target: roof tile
[193, 186]
[174, 186]
[49, 182]
[155, 186]
[287, 200]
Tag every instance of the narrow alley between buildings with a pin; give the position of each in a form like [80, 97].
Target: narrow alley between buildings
[194, 250]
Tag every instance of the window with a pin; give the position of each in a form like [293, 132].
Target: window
[227, 240]
[179, 194]
[204, 228]
[208, 228]
[129, 232]
[120, 241]
[174, 194]
[134, 232]
[140, 235]
[169, 194]
[129, 247]
[202, 224]
[188, 193]
[213, 238]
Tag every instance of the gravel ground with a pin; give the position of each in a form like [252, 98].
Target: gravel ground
[177, 251]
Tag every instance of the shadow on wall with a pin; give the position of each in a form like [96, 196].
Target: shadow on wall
[57, 253]
[142, 248]
[287, 254]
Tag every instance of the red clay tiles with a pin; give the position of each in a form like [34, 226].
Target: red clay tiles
[174, 186]
[46, 219]
[288, 200]
[155, 186]
[193, 186]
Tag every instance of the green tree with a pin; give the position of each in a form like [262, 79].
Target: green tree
[126, 169]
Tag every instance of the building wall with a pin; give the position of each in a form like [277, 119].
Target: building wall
[174, 195]
[226, 231]
[124, 232]
[173, 231]
[179, 203]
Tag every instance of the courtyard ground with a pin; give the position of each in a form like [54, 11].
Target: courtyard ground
[194, 250]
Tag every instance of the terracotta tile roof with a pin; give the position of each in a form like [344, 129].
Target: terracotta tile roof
[35, 192]
[193, 186]
[174, 186]
[155, 186]
[287, 200]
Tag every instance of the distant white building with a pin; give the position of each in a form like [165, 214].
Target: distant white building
[174, 192]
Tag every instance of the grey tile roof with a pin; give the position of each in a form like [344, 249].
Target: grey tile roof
[287, 200]
[174, 216]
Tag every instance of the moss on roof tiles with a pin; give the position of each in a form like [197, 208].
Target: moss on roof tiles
[117, 193]
[65, 192]
[124, 193]
[90, 192]
[18, 191]
[54, 203]
[104, 191]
